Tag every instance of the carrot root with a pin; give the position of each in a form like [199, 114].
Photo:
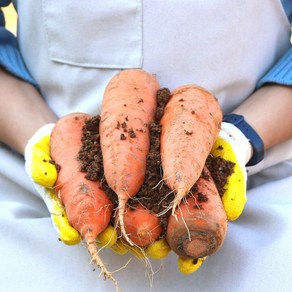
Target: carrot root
[87, 206]
[121, 221]
[190, 124]
[129, 104]
[93, 250]
[177, 200]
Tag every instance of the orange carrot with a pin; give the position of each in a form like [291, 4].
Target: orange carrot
[199, 226]
[190, 125]
[128, 107]
[142, 223]
[142, 226]
[87, 205]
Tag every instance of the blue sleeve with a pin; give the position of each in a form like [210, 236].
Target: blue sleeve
[10, 57]
[281, 72]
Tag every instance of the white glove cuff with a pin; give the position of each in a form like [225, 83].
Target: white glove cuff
[238, 141]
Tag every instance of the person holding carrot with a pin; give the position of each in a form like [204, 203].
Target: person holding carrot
[63, 57]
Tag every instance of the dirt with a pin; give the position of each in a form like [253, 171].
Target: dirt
[90, 152]
[154, 194]
[90, 156]
[220, 170]
[51, 161]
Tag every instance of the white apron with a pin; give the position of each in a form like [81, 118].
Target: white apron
[223, 45]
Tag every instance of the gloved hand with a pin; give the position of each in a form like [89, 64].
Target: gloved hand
[232, 145]
[41, 169]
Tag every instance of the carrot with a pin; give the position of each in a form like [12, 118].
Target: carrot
[142, 226]
[87, 205]
[190, 125]
[142, 223]
[128, 107]
[199, 226]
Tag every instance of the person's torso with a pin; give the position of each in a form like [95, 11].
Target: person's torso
[73, 48]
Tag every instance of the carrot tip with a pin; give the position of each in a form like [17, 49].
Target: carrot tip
[173, 211]
[92, 248]
[122, 206]
[176, 202]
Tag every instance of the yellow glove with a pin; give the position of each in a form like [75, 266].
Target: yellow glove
[109, 238]
[232, 145]
[158, 249]
[41, 169]
[188, 266]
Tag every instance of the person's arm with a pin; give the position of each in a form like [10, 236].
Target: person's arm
[268, 111]
[23, 110]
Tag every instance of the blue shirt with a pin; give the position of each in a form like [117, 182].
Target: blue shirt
[10, 57]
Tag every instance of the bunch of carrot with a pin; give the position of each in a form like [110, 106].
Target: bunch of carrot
[190, 123]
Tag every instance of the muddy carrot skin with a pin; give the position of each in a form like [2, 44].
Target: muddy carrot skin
[128, 107]
[142, 226]
[190, 125]
[199, 226]
[86, 204]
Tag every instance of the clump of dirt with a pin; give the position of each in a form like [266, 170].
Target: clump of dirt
[90, 156]
[220, 170]
[90, 152]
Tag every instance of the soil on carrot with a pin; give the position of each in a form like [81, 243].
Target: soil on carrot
[154, 194]
[90, 156]
[220, 170]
